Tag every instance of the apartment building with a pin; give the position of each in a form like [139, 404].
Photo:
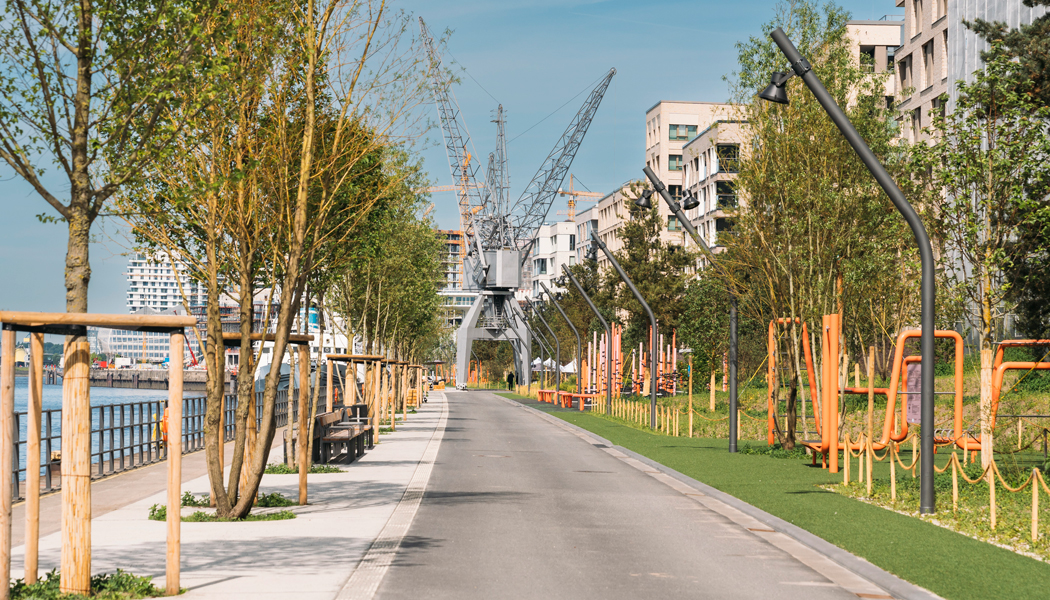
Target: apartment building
[669, 127]
[709, 173]
[153, 281]
[922, 64]
[455, 300]
[555, 246]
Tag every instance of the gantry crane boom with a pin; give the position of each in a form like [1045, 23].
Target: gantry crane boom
[535, 202]
[456, 137]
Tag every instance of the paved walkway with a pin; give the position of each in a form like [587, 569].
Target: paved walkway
[311, 556]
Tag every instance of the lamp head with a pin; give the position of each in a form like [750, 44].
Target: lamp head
[644, 200]
[690, 202]
[592, 253]
[776, 91]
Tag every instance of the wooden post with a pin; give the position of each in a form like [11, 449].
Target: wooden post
[330, 392]
[870, 449]
[893, 471]
[711, 407]
[955, 483]
[991, 497]
[690, 395]
[304, 420]
[7, 431]
[76, 470]
[1035, 504]
[36, 399]
[174, 520]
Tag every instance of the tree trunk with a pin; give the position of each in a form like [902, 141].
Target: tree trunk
[78, 269]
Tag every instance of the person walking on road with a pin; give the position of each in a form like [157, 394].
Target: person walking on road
[510, 381]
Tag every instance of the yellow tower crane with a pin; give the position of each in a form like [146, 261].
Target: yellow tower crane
[574, 194]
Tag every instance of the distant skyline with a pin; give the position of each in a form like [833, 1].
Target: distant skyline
[532, 56]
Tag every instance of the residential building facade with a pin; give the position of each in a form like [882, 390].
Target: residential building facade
[669, 127]
[455, 299]
[555, 246]
[710, 171]
[153, 282]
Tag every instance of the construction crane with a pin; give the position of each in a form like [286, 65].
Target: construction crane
[498, 235]
[573, 194]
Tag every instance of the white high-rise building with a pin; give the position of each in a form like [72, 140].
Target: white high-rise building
[555, 246]
[154, 282]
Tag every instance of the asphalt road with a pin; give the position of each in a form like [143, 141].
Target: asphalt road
[517, 507]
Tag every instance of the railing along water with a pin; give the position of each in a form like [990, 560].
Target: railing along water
[131, 435]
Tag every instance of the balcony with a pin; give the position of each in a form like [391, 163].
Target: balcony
[727, 201]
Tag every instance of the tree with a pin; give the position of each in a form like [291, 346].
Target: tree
[658, 268]
[1029, 290]
[88, 86]
[705, 321]
[275, 178]
[1028, 44]
[815, 234]
[990, 159]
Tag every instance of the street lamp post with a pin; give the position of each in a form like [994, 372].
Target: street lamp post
[557, 305]
[776, 92]
[684, 221]
[608, 337]
[539, 342]
[652, 321]
[557, 346]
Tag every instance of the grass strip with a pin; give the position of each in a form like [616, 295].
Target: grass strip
[942, 561]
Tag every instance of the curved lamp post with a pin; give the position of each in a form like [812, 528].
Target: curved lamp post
[776, 92]
[691, 203]
[557, 346]
[608, 337]
[652, 321]
[539, 342]
[557, 305]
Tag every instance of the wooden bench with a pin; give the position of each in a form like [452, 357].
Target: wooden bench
[337, 434]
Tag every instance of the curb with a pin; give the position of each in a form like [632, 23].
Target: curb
[900, 588]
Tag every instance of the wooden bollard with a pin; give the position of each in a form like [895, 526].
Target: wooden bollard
[76, 470]
[174, 520]
[32, 533]
[1035, 504]
[7, 431]
[955, 483]
[893, 471]
[991, 496]
[304, 420]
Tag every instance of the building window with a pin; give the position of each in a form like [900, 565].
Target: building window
[675, 191]
[728, 157]
[916, 18]
[541, 266]
[681, 132]
[673, 224]
[726, 194]
[927, 64]
[674, 162]
[944, 55]
[572, 242]
[891, 64]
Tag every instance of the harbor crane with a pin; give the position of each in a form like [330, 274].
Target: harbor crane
[499, 235]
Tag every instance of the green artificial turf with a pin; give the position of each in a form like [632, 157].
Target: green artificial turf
[942, 561]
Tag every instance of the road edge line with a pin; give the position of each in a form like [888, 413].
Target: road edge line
[367, 576]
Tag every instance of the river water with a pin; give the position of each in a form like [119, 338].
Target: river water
[100, 396]
[147, 406]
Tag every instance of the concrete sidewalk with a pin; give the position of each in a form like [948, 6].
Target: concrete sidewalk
[311, 556]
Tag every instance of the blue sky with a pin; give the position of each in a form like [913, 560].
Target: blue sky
[530, 55]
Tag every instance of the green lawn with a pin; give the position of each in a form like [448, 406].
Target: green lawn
[947, 563]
